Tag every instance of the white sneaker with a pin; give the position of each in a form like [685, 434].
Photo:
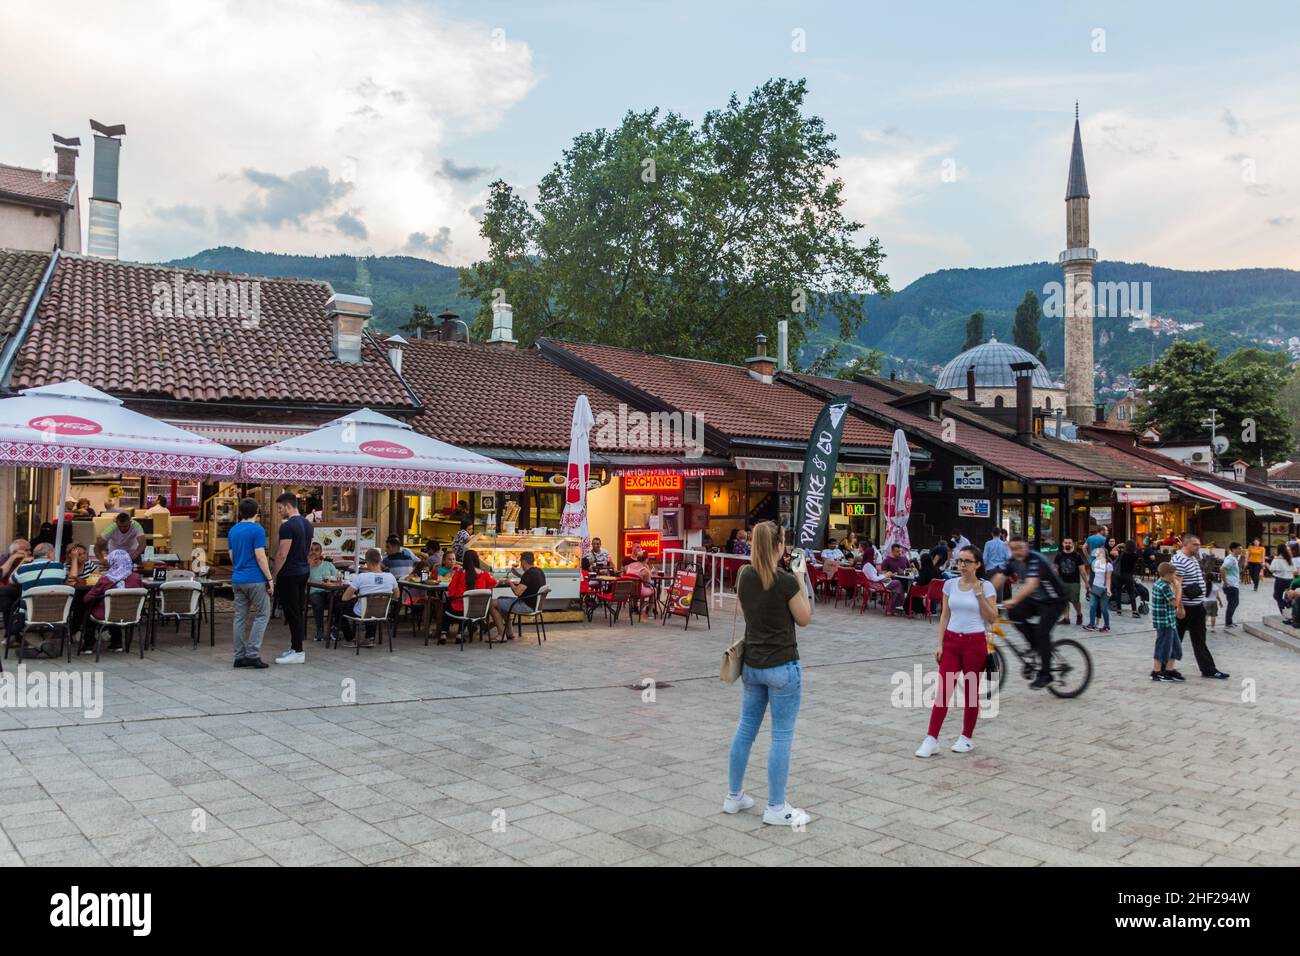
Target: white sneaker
[963, 745]
[787, 816]
[928, 746]
[735, 806]
[292, 657]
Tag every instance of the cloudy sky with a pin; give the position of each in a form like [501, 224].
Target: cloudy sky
[321, 126]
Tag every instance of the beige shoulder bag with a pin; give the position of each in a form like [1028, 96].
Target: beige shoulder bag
[733, 658]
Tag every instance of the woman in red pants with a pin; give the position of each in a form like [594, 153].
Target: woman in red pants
[969, 606]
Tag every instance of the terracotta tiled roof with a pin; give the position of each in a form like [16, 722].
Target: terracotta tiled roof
[481, 396]
[20, 274]
[724, 395]
[97, 323]
[30, 185]
[1287, 472]
[1001, 453]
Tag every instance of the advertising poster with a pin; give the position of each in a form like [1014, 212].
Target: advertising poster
[679, 598]
[341, 542]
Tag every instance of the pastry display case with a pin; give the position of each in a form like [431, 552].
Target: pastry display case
[559, 557]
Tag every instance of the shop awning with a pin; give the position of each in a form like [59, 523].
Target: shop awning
[1250, 504]
[795, 466]
[619, 463]
[1147, 495]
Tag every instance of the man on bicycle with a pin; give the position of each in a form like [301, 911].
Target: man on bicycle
[1041, 595]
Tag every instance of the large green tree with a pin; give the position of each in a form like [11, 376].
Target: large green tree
[974, 331]
[421, 321]
[1025, 330]
[682, 238]
[1245, 390]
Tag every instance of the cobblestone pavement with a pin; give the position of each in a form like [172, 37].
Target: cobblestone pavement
[520, 754]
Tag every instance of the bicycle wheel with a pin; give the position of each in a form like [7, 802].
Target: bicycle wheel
[1001, 667]
[1071, 668]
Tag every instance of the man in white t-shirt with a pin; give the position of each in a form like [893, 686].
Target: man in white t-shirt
[372, 579]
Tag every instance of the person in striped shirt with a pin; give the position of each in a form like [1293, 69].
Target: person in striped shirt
[1189, 597]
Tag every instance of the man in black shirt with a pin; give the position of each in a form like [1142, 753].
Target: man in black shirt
[531, 580]
[1068, 562]
[1041, 594]
[290, 570]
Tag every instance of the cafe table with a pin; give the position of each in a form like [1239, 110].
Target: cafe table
[333, 588]
[435, 593]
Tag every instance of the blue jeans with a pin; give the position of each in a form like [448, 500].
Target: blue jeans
[1168, 647]
[1098, 606]
[782, 686]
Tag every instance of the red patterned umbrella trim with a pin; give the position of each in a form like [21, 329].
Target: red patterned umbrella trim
[155, 463]
[378, 476]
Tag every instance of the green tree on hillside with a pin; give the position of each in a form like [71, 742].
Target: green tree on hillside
[1245, 389]
[682, 238]
[974, 331]
[1025, 331]
[421, 321]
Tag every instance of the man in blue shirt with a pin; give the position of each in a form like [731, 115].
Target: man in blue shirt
[997, 552]
[1096, 540]
[252, 583]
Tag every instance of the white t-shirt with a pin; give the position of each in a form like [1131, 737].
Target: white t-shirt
[1279, 566]
[1099, 569]
[833, 554]
[374, 582]
[964, 615]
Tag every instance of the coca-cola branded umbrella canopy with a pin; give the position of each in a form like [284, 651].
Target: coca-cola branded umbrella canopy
[897, 502]
[574, 519]
[70, 425]
[368, 450]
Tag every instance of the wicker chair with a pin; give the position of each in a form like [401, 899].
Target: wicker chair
[182, 600]
[46, 609]
[123, 608]
[367, 611]
[476, 605]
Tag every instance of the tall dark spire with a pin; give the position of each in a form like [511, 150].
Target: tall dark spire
[1077, 187]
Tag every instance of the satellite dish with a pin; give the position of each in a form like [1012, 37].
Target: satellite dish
[1220, 444]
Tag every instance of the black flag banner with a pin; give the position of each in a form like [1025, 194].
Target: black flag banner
[819, 473]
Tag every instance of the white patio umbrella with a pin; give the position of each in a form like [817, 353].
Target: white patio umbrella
[897, 501]
[573, 520]
[368, 450]
[68, 424]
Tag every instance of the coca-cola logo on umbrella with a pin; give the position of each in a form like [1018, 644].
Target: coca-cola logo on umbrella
[65, 425]
[386, 449]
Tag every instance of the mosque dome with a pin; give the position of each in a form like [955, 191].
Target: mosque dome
[992, 361]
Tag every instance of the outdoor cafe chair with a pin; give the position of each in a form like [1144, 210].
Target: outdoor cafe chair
[123, 607]
[46, 609]
[623, 592]
[182, 600]
[877, 590]
[370, 610]
[523, 611]
[817, 577]
[477, 604]
[847, 582]
[930, 593]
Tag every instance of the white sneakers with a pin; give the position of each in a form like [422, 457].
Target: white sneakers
[744, 802]
[931, 744]
[928, 746]
[787, 816]
[292, 657]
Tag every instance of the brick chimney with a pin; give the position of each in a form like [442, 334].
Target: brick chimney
[452, 328]
[503, 326]
[65, 152]
[761, 365]
[1023, 373]
[348, 315]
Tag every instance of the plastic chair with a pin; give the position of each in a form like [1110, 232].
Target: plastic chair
[930, 594]
[123, 608]
[847, 581]
[877, 589]
[47, 608]
[622, 592]
[182, 600]
[369, 610]
[817, 577]
[533, 610]
[477, 604]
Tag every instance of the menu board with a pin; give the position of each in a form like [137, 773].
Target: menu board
[341, 541]
[679, 596]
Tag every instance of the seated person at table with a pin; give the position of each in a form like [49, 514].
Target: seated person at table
[832, 558]
[470, 576]
[898, 562]
[120, 574]
[741, 544]
[40, 570]
[80, 563]
[372, 579]
[882, 577]
[159, 507]
[124, 534]
[599, 556]
[433, 552]
[398, 561]
[319, 569]
[637, 568]
[531, 580]
[20, 551]
[447, 566]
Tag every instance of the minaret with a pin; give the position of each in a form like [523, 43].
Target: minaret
[1076, 262]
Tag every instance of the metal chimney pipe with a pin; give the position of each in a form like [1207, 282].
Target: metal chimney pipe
[782, 345]
[970, 384]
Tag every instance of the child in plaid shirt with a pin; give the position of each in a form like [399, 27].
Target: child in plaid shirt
[1165, 619]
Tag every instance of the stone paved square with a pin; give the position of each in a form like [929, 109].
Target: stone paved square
[548, 756]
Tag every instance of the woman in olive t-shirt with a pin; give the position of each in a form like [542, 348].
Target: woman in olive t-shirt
[773, 601]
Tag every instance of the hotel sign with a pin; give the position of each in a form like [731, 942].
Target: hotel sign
[968, 478]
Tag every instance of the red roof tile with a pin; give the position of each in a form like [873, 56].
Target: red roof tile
[489, 397]
[20, 274]
[33, 186]
[725, 396]
[1001, 453]
[97, 323]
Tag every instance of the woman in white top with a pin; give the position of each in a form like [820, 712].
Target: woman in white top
[969, 607]
[1099, 593]
[1281, 569]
